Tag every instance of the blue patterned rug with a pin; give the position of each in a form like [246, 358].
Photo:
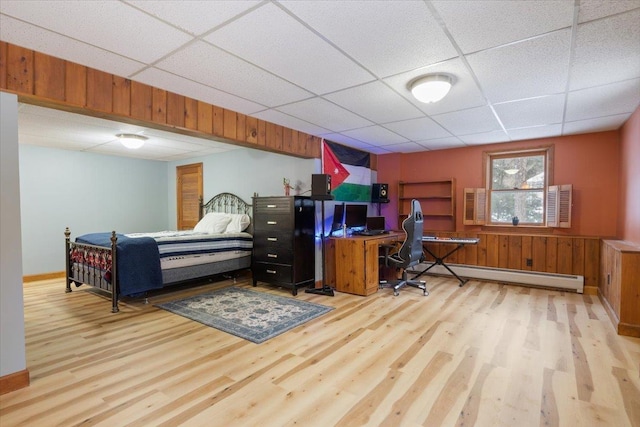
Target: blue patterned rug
[254, 316]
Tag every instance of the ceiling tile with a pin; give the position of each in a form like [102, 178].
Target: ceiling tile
[189, 17]
[342, 139]
[213, 67]
[375, 135]
[373, 42]
[599, 124]
[442, 143]
[534, 132]
[41, 40]
[531, 112]
[607, 100]
[325, 114]
[138, 36]
[376, 102]
[523, 70]
[463, 94]
[466, 122]
[418, 129]
[174, 83]
[405, 147]
[279, 43]
[282, 119]
[50, 141]
[604, 53]
[467, 20]
[594, 9]
[485, 138]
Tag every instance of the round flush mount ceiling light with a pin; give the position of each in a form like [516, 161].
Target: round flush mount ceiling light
[132, 140]
[431, 88]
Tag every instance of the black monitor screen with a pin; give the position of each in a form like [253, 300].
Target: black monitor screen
[338, 217]
[355, 216]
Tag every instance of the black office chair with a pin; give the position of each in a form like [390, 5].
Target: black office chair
[410, 253]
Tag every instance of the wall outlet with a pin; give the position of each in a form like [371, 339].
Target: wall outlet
[529, 262]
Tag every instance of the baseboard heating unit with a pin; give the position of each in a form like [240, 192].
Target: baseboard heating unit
[530, 278]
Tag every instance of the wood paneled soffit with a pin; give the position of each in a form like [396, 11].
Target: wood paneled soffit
[48, 81]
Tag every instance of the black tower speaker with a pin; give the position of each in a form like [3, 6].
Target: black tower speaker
[380, 193]
[321, 186]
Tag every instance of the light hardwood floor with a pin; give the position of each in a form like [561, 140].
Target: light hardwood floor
[485, 354]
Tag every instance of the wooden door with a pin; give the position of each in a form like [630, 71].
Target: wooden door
[189, 194]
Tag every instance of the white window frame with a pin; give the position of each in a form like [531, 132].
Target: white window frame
[489, 156]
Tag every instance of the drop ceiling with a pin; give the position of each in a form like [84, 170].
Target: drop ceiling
[340, 69]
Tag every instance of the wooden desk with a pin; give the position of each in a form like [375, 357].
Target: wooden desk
[353, 262]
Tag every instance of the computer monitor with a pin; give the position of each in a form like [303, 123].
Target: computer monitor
[338, 218]
[355, 217]
[376, 223]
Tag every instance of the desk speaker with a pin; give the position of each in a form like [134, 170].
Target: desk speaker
[380, 193]
[320, 185]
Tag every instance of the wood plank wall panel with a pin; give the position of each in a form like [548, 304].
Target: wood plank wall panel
[218, 121]
[158, 105]
[75, 84]
[20, 69]
[190, 113]
[48, 72]
[141, 101]
[99, 91]
[175, 110]
[205, 117]
[251, 130]
[576, 255]
[229, 128]
[3, 64]
[55, 83]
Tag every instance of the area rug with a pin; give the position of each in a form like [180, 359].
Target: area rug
[254, 316]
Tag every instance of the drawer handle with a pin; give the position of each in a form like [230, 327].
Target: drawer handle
[272, 206]
[272, 222]
[271, 271]
[272, 255]
[272, 239]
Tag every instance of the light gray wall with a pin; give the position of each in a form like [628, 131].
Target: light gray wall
[87, 193]
[12, 341]
[243, 172]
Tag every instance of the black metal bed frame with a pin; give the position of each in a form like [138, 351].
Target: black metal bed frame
[84, 273]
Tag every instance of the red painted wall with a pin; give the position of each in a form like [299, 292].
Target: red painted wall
[629, 216]
[591, 162]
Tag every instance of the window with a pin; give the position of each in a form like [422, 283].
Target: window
[517, 187]
[516, 184]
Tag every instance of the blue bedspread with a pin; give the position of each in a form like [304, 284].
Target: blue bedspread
[138, 261]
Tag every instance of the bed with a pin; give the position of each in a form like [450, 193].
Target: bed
[137, 263]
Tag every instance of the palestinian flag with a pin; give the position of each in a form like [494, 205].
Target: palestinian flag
[350, 171]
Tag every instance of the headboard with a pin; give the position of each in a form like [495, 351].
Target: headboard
[227, 203]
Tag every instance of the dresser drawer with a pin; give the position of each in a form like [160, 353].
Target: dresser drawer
[273, 238]
[266, 205]
[268, 272]
[273, 253]
[268, 222]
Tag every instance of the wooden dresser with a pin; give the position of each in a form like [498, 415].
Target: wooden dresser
[283, 241]
[619, 285]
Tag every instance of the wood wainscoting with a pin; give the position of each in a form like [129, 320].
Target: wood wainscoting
[575, 255]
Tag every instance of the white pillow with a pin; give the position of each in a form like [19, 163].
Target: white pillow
[213, 223]
[238, 223]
